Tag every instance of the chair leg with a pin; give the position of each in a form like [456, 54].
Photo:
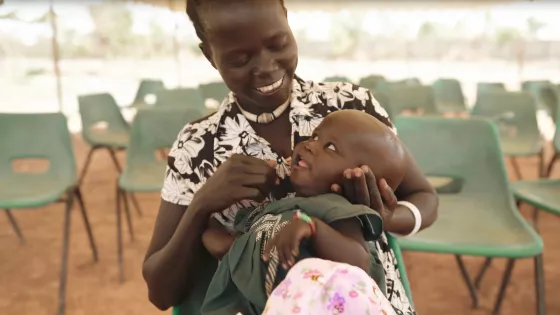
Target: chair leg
[64, 259]
[541, 173]
[136, 204]
[536, 218]
[115, 161]
[127, 213]
[86, 165]
[503, 286]
[91, 240]
[15, 226]
[468, 282]
[539, 285]
[119, 169]
[481, 272]
[516, 168]
[119, 237]
[551, 164]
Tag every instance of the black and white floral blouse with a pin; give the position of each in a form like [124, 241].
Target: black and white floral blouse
[204, 145]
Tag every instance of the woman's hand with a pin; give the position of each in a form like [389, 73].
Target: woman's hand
[240, 177]
[361, 187]
[287, 242]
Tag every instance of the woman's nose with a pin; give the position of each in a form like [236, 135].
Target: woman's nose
[265, 65]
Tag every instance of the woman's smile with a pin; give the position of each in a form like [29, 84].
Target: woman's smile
[272, 88]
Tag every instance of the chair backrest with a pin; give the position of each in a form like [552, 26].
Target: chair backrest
[337, 78]
[466, 149]
[147, 86]
[96, 108]
[214, 90]
[482, 87]
[411, 97]
[515, 113]
[180, 97]
[384, 101]
[371, 82]
[154, 129]
[528, 85]
[449, 92]
[43, 136]
[546, 95]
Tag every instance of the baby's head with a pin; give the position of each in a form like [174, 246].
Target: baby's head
[346, 139]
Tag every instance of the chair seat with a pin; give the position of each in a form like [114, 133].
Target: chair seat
[146, 177]
[520, 147]
[543, 194]
[469, 225]
[108, 138]
[30, 190]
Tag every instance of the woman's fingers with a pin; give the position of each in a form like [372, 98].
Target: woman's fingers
[375, 200]
[387, 194]
[361, 191]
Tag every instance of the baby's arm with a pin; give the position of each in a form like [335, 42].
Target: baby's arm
[216, 239]
[342, 241]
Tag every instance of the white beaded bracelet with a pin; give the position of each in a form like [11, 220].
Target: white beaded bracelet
[417, 218]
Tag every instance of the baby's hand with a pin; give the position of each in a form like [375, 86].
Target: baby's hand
[286, 243]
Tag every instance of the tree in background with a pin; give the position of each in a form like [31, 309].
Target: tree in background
[113, 34]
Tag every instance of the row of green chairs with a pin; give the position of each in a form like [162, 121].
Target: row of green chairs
[177, 97]
[480, 218]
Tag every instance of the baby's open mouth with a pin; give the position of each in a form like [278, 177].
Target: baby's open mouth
[299, 161]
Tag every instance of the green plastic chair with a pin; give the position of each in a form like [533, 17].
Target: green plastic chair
[44, 136]
[371, 82]
[411, 97]
[542, 193]
[102, 110]
[337, 78]
[546, 95]
[181, 98]
[214, 90]
[192, 305]
[384, 101]
[152, 131]
[146, 87]
[449, 96]
[482, 87]
[516, 116]
[482, 218]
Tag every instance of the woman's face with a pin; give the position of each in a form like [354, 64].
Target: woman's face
[253, 48]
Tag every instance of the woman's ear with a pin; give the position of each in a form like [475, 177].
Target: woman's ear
[206, 52]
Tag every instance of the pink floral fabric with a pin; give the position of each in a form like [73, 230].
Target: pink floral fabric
[316, 287]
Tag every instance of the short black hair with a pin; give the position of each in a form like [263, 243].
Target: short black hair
[193, 11]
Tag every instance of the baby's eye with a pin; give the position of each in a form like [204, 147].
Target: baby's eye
[331, 146]
[314, 138]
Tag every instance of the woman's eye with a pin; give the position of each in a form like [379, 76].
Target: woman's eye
[279, 45]
[331, 146]
[240, 61]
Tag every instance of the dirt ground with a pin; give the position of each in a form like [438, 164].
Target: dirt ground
[29, 273]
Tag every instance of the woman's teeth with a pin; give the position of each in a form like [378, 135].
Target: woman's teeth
[272, 87]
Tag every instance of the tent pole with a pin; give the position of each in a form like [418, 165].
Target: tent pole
[55, 54]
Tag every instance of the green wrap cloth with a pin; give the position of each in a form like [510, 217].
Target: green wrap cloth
[243, 281]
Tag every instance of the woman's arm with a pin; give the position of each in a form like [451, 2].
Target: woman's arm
[172, 254]
[342, 241]
[216, 239]
[415, 189]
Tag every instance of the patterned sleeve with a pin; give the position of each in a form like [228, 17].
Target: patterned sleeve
[371, 106]
[189, 164]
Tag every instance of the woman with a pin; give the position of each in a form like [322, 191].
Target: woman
[236, 157]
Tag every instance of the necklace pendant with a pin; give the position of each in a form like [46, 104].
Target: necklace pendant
[265, 118]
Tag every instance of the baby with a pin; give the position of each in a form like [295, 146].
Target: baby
[315, 223]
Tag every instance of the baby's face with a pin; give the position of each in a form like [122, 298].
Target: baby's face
[338, 143]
